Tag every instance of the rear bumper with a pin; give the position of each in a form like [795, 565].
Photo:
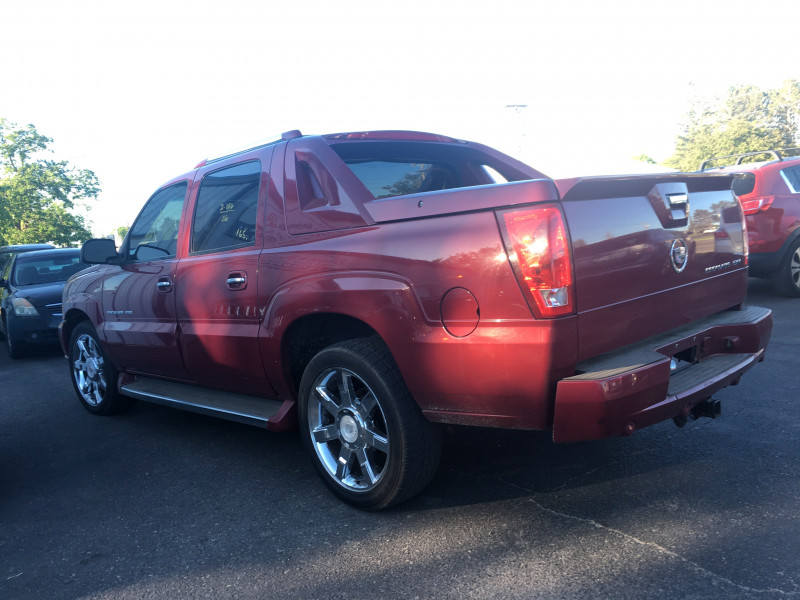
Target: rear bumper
[620, 392]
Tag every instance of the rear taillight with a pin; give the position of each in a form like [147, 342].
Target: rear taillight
[538, 246]
[751, 206]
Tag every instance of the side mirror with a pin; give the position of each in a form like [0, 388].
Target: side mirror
[99, 251]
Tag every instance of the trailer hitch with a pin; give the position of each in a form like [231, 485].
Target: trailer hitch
[707, 408]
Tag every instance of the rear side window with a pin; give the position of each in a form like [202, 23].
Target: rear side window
[397, 178]
[744, 183]
[154, 235]
[791, 176]
[227, 204]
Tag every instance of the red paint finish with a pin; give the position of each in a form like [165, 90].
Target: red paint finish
[615, 402]
[460, 312]
[219, 321]
[437, 276]
[140, 320]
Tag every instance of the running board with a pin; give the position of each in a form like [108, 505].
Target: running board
[250, 410]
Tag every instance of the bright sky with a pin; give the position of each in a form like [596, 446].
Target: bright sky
[142, 91]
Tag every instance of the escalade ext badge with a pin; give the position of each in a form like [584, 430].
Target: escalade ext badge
[678, 255]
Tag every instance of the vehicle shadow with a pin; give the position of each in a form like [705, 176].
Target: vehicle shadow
[32, 353]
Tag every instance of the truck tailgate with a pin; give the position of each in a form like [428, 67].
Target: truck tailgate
[652, 253]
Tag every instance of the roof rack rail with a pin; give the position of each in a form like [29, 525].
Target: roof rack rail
[778, 154]
[286, 135]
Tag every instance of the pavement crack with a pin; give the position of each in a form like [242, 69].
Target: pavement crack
[693, 565]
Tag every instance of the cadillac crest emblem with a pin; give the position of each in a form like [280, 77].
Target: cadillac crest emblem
[678, 255]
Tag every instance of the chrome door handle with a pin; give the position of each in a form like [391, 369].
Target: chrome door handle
[237, 280]
[164, 284]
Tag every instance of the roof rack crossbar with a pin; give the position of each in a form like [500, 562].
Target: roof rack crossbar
[777, 154]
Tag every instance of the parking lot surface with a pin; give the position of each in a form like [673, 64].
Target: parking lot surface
[159, 503]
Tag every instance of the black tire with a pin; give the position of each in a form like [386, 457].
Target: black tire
[367, 437]
[93, 376]
[786, 280]
[15, 349]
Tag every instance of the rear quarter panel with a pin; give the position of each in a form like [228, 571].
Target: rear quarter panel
[393, 277]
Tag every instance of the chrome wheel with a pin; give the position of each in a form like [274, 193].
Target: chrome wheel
[368, 439]
[88, 370]
[794, 268]
[787, 278]
[348, 429]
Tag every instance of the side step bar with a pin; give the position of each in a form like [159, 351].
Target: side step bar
[250, 410]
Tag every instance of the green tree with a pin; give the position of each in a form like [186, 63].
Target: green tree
[747, 119]
[37, 195]
[645, 159]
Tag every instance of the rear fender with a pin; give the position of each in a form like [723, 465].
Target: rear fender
[383, 301]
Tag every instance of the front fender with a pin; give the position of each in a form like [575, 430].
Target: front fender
[81, 301]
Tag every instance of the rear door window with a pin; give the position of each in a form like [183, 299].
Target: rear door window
[227, 204]
[791, 176]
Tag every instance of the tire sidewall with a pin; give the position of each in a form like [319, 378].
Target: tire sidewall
[338, 356]
[105, 406]
[15, 349]
[783, 281]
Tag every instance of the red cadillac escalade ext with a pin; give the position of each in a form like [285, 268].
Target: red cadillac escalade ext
[371, 286]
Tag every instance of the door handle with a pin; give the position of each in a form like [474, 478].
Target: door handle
[670, 201]
[164, 284]
[237, 280]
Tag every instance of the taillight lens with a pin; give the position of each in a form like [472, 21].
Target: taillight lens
[538, 246]
[756, 204]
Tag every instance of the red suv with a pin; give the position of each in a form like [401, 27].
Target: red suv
[770, 195]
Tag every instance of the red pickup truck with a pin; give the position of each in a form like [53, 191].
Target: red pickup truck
[371, 286]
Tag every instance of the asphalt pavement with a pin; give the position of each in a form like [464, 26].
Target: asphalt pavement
[159, 503]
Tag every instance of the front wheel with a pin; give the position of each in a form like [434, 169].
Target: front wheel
[15, 349]
[786, 280]
[93, 377]
[369, 440]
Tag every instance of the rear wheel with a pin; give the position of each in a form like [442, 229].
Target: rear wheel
[93, 377]
[786, 280]
[369, 440]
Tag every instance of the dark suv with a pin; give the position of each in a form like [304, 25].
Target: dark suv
[769, 191]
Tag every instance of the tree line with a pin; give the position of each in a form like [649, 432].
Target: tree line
[39, 196]
[745, 119]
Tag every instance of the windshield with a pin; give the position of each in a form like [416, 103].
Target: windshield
[49, 269]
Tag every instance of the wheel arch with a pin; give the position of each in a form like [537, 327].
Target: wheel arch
[309, 334]
[793, 238]
[71, 320]
[308, 314]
